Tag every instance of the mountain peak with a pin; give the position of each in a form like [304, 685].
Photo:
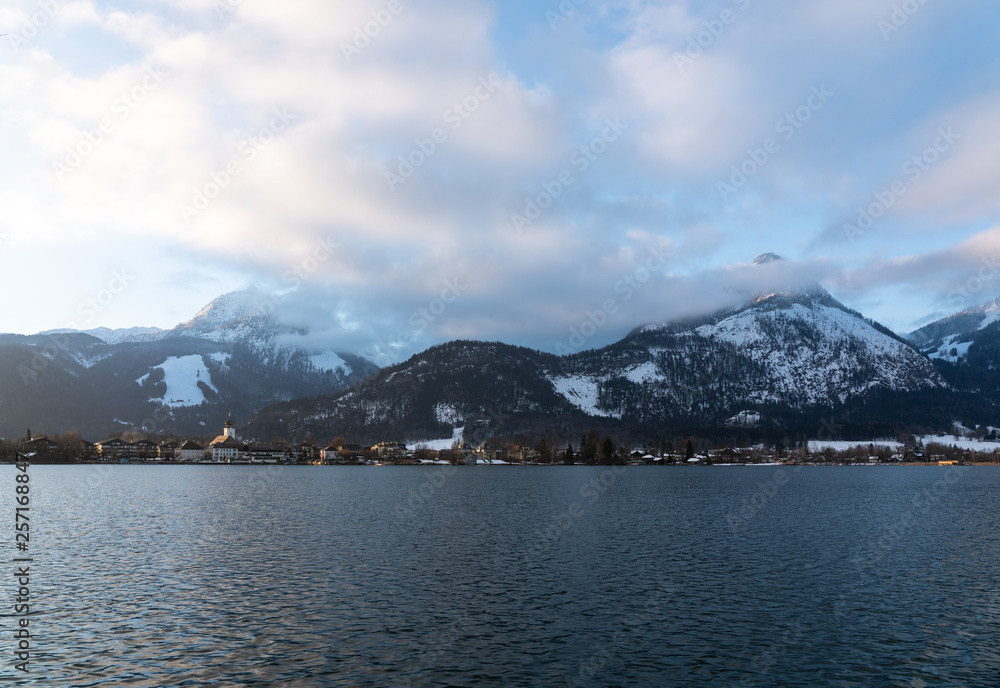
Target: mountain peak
[230, 312]
[766, 258]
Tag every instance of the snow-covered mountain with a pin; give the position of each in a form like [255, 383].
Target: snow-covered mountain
[244, 316]
[785, 354]
[785, 350]
[965, 348]
[118, 336]
[233, 357]
[949, 339]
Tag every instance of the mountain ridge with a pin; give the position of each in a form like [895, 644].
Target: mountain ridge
[798, 351]
[225, 359]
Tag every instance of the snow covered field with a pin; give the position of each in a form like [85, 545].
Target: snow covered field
[182, 375]
[838, 445]
[581, 391]
[948, 440]
[439, 445]
[330, 361]
[961, 442]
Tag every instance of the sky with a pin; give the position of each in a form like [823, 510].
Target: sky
[392, 174]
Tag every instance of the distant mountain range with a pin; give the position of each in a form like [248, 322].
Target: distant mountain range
[785, 361]
[227, 359]
[784, 364]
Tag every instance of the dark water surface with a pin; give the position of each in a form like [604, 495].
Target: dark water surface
[509, 576]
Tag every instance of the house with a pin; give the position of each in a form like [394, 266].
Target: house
[263, 452]
[329, 454]
[89, 451]
[40, 445]
[167, 450]
[191, 451]
[114, 449]
[144, 450]
[226, 449]
[304, 452]
[43, 450]
[389, 450]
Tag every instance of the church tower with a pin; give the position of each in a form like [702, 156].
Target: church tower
[230, 428]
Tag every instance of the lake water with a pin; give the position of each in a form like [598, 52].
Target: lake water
[509, 576]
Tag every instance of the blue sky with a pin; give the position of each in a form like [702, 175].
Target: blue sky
[629, 121]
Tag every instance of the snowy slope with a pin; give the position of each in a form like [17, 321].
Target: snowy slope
[183, 376]
[331, 362]
[812, 351]
[238, 316]
[794, 350]
[583, 392]
[949, 338]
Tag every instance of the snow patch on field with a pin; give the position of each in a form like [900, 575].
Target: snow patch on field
[647, 372]
[582, 392]
[88, 360]
[446, 413]
[961, 442]
[331, 362]
[842, 445]
[182, 375]
[439, 445]
[990, 315]
[944, 351]
[745, 419]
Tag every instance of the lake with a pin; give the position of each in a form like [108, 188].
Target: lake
[509, 576]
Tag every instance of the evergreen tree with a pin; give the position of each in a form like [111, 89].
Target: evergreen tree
[544, 454]
[689, 450]
[591, 447]
[568, 457]
[607, 452]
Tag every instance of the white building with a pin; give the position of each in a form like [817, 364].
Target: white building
[226, 448]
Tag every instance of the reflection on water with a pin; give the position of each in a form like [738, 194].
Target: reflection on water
[508, 576]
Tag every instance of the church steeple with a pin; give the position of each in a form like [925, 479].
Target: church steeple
[229, 430]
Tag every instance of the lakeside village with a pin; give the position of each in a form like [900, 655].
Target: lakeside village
[593, 450]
